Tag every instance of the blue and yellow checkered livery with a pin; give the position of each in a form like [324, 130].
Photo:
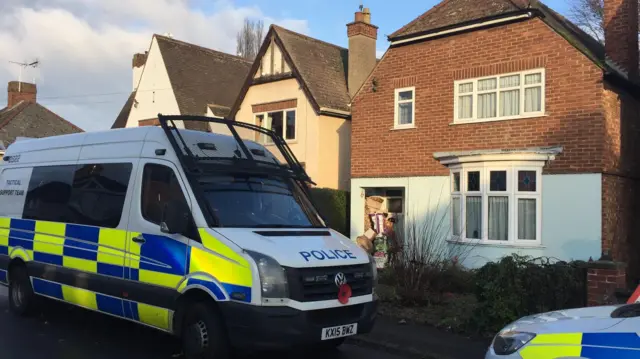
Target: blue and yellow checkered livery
[106, 270]
[600, 345]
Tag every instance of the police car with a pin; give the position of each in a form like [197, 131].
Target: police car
[211, 237]
[605, 332]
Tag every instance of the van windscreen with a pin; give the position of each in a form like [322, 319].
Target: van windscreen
[251, 201]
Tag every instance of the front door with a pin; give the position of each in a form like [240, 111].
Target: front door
[156, 262]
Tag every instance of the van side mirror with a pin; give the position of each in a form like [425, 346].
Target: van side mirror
[175, 218]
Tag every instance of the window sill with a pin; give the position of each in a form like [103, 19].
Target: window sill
[535, 245]
[527, 117]
[399, 128]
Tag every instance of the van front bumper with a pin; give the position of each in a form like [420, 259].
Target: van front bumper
[265, 328]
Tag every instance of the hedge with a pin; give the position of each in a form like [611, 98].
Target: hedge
[334, 207]
[517, 286]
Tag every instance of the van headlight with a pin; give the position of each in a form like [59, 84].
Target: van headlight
[509, 342]
[273, 279]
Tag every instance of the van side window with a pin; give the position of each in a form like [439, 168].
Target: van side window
[159, 186]
[48, 194]
[98, 194]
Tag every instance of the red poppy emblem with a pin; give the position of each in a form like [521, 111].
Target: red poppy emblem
[344, 293]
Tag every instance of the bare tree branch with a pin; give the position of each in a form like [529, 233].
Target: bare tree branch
[589, 15]
[249, 38]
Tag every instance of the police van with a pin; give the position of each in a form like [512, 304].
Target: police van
[212, 237]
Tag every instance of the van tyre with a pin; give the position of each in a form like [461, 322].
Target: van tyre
[204, 335]
[22, 300]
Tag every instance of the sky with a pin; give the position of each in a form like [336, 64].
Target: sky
[85, 47]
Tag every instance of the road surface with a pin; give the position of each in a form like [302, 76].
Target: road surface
[66, 332]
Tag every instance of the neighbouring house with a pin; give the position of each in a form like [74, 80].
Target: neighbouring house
[513, 123]
[177, 78]
[25, 117]
[301, 88]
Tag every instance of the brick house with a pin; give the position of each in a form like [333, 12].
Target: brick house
[523, 128]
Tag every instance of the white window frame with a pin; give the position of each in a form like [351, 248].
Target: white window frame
[537, 195]
[284, 124]
[485, 168]
[466, 193]
[522, 87]
[396, 103]
[496, 167]
[456, 194]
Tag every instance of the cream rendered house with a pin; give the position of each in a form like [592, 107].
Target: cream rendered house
[300, 87]
[178, 78]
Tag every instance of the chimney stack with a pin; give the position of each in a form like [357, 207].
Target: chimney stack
[20, 91]
[137, 64]
[362, 49]
[621, 34]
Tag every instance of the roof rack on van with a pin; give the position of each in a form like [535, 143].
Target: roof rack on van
[243, 158]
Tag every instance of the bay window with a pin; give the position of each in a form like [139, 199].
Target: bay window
[500, 97]
[496, 202]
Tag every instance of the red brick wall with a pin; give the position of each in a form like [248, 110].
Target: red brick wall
[27, 92]
[361, 28]
[574, 94]
[602, 283]
[621, 27]
[621, 180]
[275, 106]
[149, 122]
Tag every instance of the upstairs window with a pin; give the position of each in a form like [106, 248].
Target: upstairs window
[281, 122]
[405, 107]
[501, 97]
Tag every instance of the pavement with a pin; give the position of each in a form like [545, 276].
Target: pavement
[419, 341]
[66, 332]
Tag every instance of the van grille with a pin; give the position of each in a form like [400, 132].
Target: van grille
[315, 284]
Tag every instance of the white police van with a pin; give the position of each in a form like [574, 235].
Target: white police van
[211, 237]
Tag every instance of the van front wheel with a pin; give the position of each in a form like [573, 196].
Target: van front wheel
[203, 333]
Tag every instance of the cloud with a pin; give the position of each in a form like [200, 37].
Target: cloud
[85, 46]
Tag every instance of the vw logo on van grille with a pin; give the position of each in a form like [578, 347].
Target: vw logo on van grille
[340, 279]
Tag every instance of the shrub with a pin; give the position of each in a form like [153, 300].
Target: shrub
[427, 265]
[333, 206]
[517, 286]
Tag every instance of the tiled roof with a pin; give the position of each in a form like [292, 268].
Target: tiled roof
[322, 66]
[219, 111]
[201, 76]
[453, 12]
[123, 116]
[27, 119]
